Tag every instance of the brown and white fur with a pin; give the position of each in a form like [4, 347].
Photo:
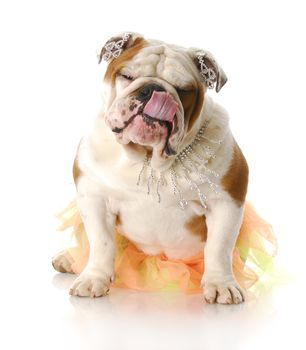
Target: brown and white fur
[107, 166]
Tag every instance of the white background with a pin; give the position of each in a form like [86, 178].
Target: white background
[50, 87]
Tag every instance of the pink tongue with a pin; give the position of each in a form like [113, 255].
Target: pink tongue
[161, 106]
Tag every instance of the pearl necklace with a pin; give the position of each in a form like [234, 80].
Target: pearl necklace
[190, 165]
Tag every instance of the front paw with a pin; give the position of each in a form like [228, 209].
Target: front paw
[223, 292]
[89, 285]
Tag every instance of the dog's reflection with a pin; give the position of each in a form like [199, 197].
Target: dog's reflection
[168, 316]
[128, 302]
[63, 280]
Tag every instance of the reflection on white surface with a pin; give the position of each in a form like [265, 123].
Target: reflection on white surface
[41, 314]
[139, 320]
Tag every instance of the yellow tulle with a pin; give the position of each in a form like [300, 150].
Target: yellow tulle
[252, 257]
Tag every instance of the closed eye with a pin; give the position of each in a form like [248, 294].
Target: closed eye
[181, 91]
[126, 76]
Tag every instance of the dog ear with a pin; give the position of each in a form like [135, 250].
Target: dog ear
[211, 72]
[114, 47]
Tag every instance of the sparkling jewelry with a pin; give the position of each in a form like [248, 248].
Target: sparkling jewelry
[189, 165]
[144, 165]
[160, 182]
[208, 74]
[113, 49]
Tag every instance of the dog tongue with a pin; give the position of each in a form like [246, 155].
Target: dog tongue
[161, 106]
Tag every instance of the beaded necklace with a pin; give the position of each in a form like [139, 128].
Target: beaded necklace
[191, 164]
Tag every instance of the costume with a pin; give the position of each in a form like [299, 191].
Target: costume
[253, 255]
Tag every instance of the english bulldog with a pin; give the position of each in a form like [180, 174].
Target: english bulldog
[160, 160]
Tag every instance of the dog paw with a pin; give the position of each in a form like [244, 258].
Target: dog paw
[87, 285]
[61, 263]
[223, 293]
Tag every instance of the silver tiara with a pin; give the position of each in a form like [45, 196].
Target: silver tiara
[113, 49]
[208, 74]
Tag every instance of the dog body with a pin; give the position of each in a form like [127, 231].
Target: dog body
[155, 104]
[154, 227]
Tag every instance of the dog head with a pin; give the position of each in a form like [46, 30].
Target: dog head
[155, 93]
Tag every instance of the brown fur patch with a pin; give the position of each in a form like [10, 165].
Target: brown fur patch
[117, 64]
[118, 220]
[76, 171]
[235, 181]
[192, 103]
[197, 226]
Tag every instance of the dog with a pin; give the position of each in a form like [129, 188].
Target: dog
[160, 160]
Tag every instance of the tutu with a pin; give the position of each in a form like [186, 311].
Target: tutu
[253, 255]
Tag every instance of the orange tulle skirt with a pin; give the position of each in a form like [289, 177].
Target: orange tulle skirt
[252, 256]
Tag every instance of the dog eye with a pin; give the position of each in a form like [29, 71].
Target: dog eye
[181, 91]
[126, 76]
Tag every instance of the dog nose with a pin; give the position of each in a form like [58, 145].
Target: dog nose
[146, 92]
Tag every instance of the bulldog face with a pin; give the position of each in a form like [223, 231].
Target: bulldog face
[156, 93]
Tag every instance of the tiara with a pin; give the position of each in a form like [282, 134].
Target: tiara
[113, 49]
[208, 74]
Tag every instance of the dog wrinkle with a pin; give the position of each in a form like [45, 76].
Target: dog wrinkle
[118, 220]
[235, 181]
[197, 226]
[192, 103]
[76, 171]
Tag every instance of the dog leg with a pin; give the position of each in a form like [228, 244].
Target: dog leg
[99, 224]
[223, 221]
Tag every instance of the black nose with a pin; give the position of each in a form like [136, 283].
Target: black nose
[146, 92]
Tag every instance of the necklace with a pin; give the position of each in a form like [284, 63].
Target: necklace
[191, 165]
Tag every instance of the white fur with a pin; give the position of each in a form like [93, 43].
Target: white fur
[107, 188]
